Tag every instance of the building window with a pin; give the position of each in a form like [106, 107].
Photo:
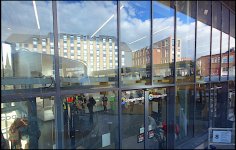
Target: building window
[78, 39]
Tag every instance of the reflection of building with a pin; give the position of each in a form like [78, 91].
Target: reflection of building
[163, 52]
[203, 64]
[99, 53]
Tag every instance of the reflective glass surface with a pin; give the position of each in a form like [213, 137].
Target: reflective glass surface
[132, 119]
[26, 46]
[135, 42]
[87, 43]
[163, 42]
[184, 113]
[215, 55]
[185, 42]
[224, 56]
[29, 124]
[203, 41]
[232, 48]
[157, 119]
[91, 121]
[201, 122]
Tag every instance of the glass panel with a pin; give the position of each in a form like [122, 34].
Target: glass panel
[232, 48]
[26, 63]
[215, 55]
[219, 96]
[157, 119]
[224, 56]
[29, 124]
[232, 24]
[225, 20]
[91, 121]
[232, 59]
[185, 29]
[231, 106]
[135, 42]
[204, 12]
[203, 52]
[163, 42]
[86, 57]
[184, 113]
[216, 15]
[132, 119]
[203, 41]
[201, 122]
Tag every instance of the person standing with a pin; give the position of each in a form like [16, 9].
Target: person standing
[131, 103]
[104, 100]
[91, 103]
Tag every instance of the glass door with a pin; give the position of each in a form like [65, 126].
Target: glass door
[28, 123]
[91, 120]
[132, 119]
[156, 120]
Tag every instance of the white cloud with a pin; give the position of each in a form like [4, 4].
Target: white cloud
[87, 16]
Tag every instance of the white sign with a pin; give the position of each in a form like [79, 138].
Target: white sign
[155, 106]
[222, 136]
[106, 139]
[149, 127]
[141, 130]
[132, 99]
[151, 96]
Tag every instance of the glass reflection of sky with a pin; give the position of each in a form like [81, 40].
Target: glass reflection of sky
[186, 33]
[203, 39]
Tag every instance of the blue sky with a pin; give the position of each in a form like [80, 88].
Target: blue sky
[142, 11]
[86, 17]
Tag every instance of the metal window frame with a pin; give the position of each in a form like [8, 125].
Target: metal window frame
[221, 25]
[195, 66]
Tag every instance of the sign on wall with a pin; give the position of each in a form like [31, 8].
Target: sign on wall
[222, 136]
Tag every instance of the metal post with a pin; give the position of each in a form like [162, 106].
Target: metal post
[119, 77]
[195, 68]
[33, 128]
[211, 42]
[220, 42]
[151, 49]
[171, 118]
[59, 124]
[146, 104]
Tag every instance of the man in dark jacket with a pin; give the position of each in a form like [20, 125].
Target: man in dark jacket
[104, 101]
[91, 103]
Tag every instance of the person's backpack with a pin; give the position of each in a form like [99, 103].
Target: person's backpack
[93, 101]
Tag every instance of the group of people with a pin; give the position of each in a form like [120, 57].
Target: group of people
[77, 105]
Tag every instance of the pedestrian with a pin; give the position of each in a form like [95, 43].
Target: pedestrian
[104, 100]
[91, 103]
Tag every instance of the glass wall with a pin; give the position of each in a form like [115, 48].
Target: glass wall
[157, 118]
[163, 42]
[216, 35]
[232, 48]
[185, 41]
[88, 43]
[101, 106]
[224, 44]
[219, 96]
[91, 120]
[27, 46]
[231, 105]
[184, 113]
[201, 122]
[29, 124]
[132, 107]
[203, 41]
[135, 42]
